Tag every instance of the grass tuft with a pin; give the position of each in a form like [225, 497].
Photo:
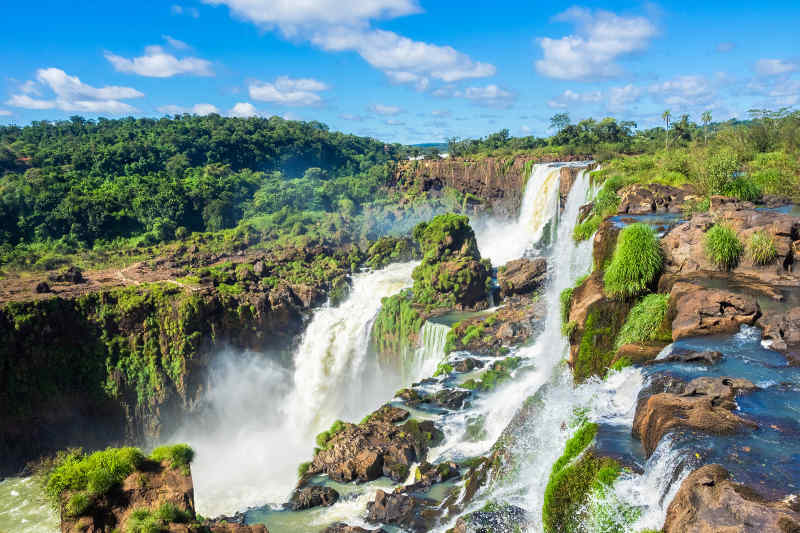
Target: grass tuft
[636, 262]
[644, 320]
[723, 247]
[761, 248]
[178, 455]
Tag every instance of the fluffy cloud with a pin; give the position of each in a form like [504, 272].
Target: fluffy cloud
[601, 38]
[288, 91]
[387, 110]
[488, 96]
[570, 97]
[71, 94]
[775, 67]
[157, 63]
[197, 109]
[244, 110]
[176, 43]
[684, 91]
[329, 26]
[619, 98]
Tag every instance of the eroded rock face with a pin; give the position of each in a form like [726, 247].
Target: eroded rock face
[409, 512]
[709, 502]
[700, 311]
[341, 527]
[706, 404]
[313, 496]
[378, 447]
[784, 332]
[521, 276]
[652, 198]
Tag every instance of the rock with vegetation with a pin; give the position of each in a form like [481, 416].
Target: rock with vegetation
[636, 263]
[412, 513]
[312, 496]
[521, 276]
[494, 518]
[705, 404]
[709, 501]
[644, 199]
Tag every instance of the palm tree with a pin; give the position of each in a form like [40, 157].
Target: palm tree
[665, 116]
[706, 118]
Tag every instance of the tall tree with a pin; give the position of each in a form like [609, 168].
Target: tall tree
[559, 121]
[665, 116]
[706, 118]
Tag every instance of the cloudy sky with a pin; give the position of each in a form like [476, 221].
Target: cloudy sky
[398, 70]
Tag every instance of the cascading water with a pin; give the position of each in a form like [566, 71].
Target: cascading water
[432, 338]
[261, 418]
[502, 242]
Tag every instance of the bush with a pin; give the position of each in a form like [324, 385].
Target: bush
[723, 247]
[718, 170]
[178, 455]
[743, 189]
[636, 262]
[761, 248]
[77, 504]
[143, 521]
[644, 321]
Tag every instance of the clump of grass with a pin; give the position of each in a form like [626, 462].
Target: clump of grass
[644, 320]
[566, 304]
[636, 262]
[743, 189]
[170, 513]
[723, 248]
[761, 248]
[303, 468]
[77, 504]
[92, 475]
[324, 437]
[143, 521]
[178, 455]
[587, 228]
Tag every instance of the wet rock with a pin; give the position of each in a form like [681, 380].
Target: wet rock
[707, 357]
[783, 331]
[467, 365]
[42, 288]
[412, 397]
[313, 496]
[652, 198]
[604, 242]
[706, 404]
[453, 399]
[71, 275]
[427, 475]
[341, 527]
[639, 353]
[699, 311]
[408, 512]
[389, 414]
[584, 211]
[708, 502]
[521, 276]
[494, 519]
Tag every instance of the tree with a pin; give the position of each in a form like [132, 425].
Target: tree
[665, 116]
[559, 121]
[706, 118]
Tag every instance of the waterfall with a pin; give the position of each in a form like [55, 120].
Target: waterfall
[260, 417]
[501, 242]
[432, 338]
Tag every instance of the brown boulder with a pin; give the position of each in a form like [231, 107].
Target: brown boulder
[783, 330]
[709, 502]
[409, 512]
[521, 276]
[699, 311]
[652, 198]
[704, 405]
[313, 496]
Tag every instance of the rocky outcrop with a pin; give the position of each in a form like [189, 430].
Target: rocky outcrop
[640, 199]
[142, 497]
[783, 332]
[521, 276]
[493, 519]
[498, 182]
[705, 404]
[313, 496]
[341, 527]
[409, 512]
[709, 502]
[699, 311]
[375, 448]
[707, 357]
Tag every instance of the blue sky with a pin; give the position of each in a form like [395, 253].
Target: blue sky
[398, 70]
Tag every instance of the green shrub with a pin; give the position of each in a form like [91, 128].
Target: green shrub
[645, 320]
[171, 513]
[636, 262]
[77, 504]
[723, 247]
[718, 170]
[324, 437]
[95, 473]
[143, 521]
[587, 228]
[178, 455]
[303, 468]
[761, 248]
[743, 189]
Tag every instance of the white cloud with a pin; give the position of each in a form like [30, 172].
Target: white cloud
[351, 117]
[388, 110]
[332, 27]
[177, 44]
[619, 98]
[4, 112]
[394, 122]
[71, 94]
[243, 110]
[288, 91]
[726, 47]
[570, 97]
[180, 10]
[684, 91]
[197, 109]
[491, 96]
[601, 38]
[157, 63]
[775, 67]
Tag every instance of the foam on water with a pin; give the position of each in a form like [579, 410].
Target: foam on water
[23, 508]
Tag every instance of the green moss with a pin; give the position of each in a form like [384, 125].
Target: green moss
[443, 369]
[596, 348]
[573, 478]
[303, 468]
[324, 437]
[645, 321]
[587, 228]
[636, 263]
[566, 304]
[77, 504]
[722, 247]
[397, 324]
[761, 248]
[178, 456]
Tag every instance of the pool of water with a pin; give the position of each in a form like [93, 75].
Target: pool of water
[791, 209]
[660, 222]
[770, 298]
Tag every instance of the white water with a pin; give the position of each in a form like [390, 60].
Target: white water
[23, 508]
[432, 338]
[261, 418]
[500, 241]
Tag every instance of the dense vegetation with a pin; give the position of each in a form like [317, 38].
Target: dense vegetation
[636, 262]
